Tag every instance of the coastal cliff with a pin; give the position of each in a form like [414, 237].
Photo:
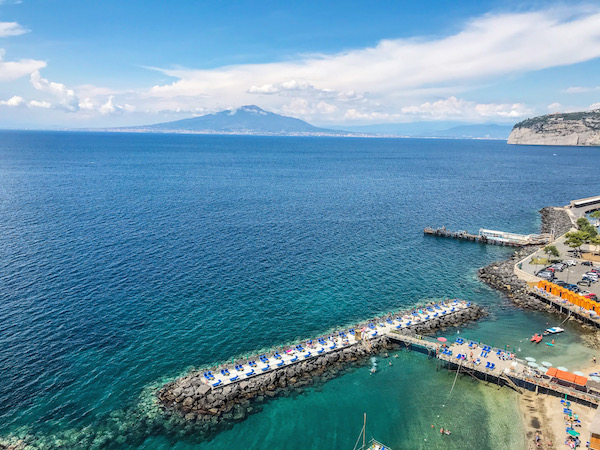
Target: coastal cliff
[579, 128]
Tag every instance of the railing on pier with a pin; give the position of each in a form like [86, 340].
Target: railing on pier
[492, 237]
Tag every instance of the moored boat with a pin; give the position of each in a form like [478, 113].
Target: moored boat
[553, 330]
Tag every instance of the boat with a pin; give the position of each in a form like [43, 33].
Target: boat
[372, 444]
[537, 338]
[553, 330]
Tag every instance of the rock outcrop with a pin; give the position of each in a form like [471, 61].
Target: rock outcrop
[580, 128]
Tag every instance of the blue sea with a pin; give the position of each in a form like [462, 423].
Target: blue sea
[126, 260]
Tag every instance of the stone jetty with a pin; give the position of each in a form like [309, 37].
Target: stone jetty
[501, 274]
[195, 399]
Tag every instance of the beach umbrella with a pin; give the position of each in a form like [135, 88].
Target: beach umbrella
[573, 432]
[543, 369]
[577, 372]
[532, 364]
[546, 364]
[564, 369]
[529, 358]
[442, 339]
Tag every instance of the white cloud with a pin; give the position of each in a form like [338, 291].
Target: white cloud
[13, 101]
[554, 107]
[453, 107]
[11, 29]
[378, 80]
[11, 70]
[66, 97]
[581, 89]
[40, 104]
[594, 106]
[110, 107]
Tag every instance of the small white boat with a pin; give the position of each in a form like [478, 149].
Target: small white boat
[554, 330]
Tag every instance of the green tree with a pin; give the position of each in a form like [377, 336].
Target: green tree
[595, 214]
[595, 241]
[551, 250]
[575, 239]
[586, 227]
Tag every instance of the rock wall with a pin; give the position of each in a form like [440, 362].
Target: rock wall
[581, 128]
[501, 275]
[194, 400]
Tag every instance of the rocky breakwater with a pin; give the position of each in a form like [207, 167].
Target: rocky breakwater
[501, 274]
[209, 407]
[578, 128]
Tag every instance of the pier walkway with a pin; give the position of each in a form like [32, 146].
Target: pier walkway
[585, 315]
[492, 237]
[312, 348]
[499, 366]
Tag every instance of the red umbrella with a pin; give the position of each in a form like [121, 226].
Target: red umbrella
[442, 339]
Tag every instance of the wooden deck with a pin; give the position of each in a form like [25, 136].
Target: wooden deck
[498, 366]
[565, 307]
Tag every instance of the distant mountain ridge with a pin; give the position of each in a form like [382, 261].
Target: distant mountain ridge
[577, 129]
[248, 119]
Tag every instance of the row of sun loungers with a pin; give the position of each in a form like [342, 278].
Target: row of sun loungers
[324, 344]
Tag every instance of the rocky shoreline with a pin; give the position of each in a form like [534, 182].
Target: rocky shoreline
[500, 274]
[191, 398]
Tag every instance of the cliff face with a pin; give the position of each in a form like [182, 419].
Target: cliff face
[580, 128]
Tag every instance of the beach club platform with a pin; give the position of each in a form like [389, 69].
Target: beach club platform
[502, 367]
[359, 335]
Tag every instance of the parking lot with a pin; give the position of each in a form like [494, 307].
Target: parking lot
[574, 274]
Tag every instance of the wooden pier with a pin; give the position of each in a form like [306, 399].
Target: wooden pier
[498, 366]
[563, 306]
[493, 237]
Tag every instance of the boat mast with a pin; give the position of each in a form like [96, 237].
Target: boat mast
[364, 429]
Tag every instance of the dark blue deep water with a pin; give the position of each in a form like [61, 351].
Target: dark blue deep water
[126, 259]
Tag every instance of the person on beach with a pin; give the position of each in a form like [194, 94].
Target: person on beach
[594, 359]
[442, 431]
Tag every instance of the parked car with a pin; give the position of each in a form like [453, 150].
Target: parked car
[550, 269]
[571, 262]
[591, 274]
[586, 263]
[591, 296]
[546, 275]
[585, 282]
[560, 283]
[559, 266]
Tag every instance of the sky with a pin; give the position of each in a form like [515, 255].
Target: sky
[87, 64]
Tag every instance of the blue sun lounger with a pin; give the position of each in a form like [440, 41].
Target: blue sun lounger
[372, 326]
[307, 355]
[217, 383]
[234, 378]
[321, 350]
[388, 320]
[277, 355]
[351, 331]
[264, 369]
[334, 345]
[252, 364]
[239, 368]
[250, 373]
[294, 359]
[374, 333]
[225, 372]
[280, 363]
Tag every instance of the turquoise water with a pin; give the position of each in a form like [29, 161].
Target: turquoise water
[126, 260]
